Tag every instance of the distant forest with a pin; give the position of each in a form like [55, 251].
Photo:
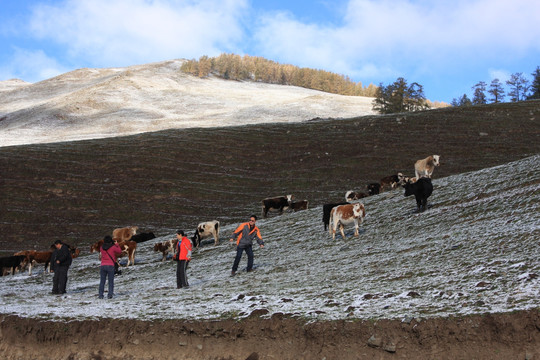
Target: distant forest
[253, 68]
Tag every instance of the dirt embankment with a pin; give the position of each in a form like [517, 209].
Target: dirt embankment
[489, 336]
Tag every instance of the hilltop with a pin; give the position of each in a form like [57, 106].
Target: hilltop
[101, 103]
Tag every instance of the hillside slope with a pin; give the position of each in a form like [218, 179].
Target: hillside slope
[417, 286]
[80, 191]
[99, 103]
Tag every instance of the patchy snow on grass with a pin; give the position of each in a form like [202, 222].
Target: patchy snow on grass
[101, 103]
[474, 250]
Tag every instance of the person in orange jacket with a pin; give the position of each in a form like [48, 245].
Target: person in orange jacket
[245, 234]
[183, 256]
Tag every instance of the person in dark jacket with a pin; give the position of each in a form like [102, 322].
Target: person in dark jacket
[60, 263]
[245, 234]
[109, 251]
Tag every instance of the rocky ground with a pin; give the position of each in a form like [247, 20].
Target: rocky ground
[481, 337]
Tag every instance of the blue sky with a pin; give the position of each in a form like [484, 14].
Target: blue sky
[446, 46]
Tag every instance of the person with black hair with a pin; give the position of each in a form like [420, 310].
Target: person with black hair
[110, 250]
[245, 234]
[60, 263]
[183, 256]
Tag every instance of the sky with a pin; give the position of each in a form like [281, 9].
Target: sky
[445, 46]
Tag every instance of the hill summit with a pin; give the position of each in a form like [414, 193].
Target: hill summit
[101, 103]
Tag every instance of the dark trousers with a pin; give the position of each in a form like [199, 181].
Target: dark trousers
[249, 252]
[106, 271]
[181, 274]
[60, 279]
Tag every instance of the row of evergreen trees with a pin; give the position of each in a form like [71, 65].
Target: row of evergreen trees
[253, 68]
[519, 89]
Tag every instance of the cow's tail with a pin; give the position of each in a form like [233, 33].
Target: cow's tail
[330, 221]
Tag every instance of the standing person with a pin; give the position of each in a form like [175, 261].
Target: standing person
[245, 234]
[183, 255]
[60, 261]
[109, 253]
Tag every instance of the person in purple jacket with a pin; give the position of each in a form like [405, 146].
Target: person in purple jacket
[109, 254]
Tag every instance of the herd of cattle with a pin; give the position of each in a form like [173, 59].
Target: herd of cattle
[335, 216]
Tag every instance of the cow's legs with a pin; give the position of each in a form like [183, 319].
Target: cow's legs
[342, 232]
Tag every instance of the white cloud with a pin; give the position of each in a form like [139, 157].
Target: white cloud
[385, 36]
[30, 66]
[125, 32]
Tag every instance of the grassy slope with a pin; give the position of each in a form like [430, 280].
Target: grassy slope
[80, 191]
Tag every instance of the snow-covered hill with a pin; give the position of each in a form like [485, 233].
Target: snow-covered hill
[98, 103]
[475, 250]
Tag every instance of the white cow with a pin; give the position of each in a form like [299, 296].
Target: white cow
[205, 230]
[345, 215]
[425, 167]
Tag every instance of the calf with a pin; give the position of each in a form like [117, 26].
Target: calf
[125, 233]
[299, 205]
[374, 188]
[354, 195]
[344, 215]
[12, 263]
[421, 189]
[95, 247]
[392, 181]
[166, 247]
[326, 212]
[205, 230]
[128, 249]
[142, 237]
[425, 167]
[277, 203]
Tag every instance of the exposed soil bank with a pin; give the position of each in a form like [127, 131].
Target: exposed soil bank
[491, 336]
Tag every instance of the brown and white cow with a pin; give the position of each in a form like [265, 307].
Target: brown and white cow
[166, 247]
[425, 167]
[205, 230]
[125, 233]
[278, 203]
[392, 181]
[345, 215]
[128, 249]
[299, 205]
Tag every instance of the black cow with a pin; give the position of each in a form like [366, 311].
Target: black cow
[421, 189]
[139, 238]
[374, 188]
[277, 203]
[12, 262]
[326, 212]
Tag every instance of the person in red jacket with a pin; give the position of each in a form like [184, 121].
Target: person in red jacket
[245, 234]
[183, 255]
[109, 253]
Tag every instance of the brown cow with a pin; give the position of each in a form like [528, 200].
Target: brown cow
[125, 233]
[346, 214]
[166, 247]
[40, 257]
[299, 205]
